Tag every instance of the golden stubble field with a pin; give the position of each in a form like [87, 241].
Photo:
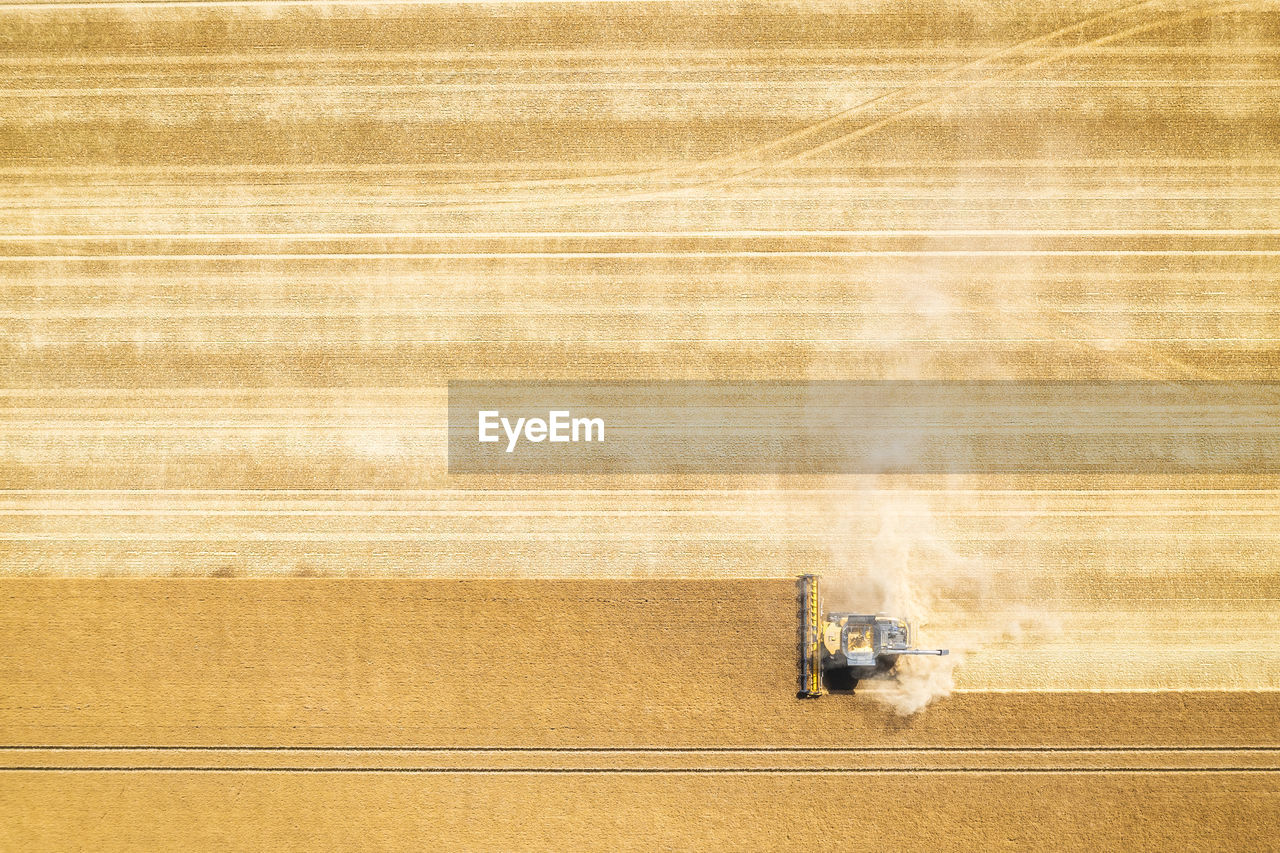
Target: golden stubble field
[245, 245]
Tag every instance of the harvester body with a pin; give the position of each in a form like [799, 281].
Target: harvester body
[855, 644]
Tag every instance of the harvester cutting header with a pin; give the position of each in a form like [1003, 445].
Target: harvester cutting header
[847, 646]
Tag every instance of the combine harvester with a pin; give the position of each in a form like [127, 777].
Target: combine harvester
[846, 646]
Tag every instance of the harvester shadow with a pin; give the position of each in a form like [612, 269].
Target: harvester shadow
[840, 681]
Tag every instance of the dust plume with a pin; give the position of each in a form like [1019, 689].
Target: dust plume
[910, 569]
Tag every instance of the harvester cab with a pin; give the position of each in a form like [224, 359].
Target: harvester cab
[847, 645]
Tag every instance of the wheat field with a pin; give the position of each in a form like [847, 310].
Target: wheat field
[245, 245]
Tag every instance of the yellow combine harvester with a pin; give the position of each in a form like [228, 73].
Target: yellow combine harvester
[846, 646]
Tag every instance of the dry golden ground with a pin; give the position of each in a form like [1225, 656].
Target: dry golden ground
[452, 811]
[244, 245]
[541, 713]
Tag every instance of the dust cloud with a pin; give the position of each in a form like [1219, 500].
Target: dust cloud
[911, 570]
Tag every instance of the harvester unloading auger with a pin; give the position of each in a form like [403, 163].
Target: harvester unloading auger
[847, 645]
